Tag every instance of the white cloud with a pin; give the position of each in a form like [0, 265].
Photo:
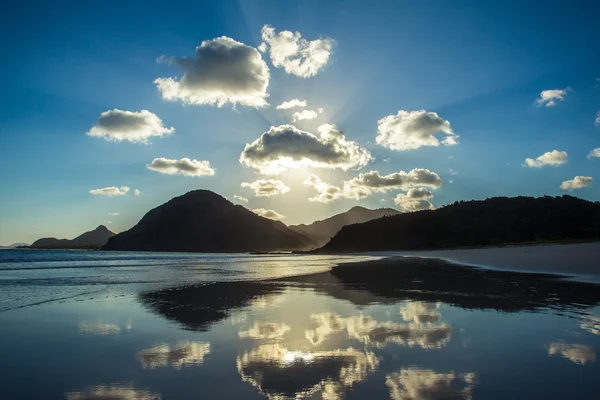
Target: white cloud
[265, 330]
[576, 353]
[452, 172]
[240, 198]
[120, 391]
[285, 146]
[409, 130]
[137, 192]
[420, 312]
[366, 184]
[118, 125]
[553, 158]
[271, 214]
[304, 114]
[295, 54]
[111, 191]
[550, 97]
[184, 354]
[415, 383]
[184, 166]
[114, 214]
[594, 153]
[222, 71]
[414, 200]
[578, 182]
[266, 187]
[597, 122]
[286, 105]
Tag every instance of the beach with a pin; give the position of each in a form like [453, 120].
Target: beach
[396, 327]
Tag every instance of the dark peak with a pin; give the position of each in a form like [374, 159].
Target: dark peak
[358, 208]
[101, 228]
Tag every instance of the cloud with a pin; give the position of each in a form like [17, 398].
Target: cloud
[416, 383]
[265, 331]
[594, 153]
[550, 97]
[118, 125]
[295, 54]
[271, 214]
[578, 182]
[553, 158]
[266, 187]
[286, 105]
[409, 130]
[597, 122]
[111, 191]
[240, 198]
[305, 114]
[184, 354]
[576, 353]
[137, 192]
[184, 166]
[378, 334]
[285, 146]
[222, 71]
[366, 184]
[116, 391]
[114, 214]
[280, 373]
[414, 200]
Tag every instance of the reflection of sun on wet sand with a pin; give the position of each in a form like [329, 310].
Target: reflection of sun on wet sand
[280, 373]
[180, 355]
[418, 384]
[113, 392]
[577, 353]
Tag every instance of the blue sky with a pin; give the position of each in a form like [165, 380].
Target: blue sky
[480, 69]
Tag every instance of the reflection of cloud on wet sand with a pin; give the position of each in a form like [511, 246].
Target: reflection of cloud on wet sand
[421, 312]
[113, 392]
[98, 329]
[183, 354]
[591, 324]
[261, 302]
[280, 373]
[577, 353]
[420, 384]
[265, 330]
[371, 332]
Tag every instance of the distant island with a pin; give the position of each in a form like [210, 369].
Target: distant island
[94, 239]
[14, 246]
[495, 221]
[203, 221]
[322, 231]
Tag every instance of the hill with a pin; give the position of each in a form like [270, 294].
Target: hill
[14, 246]
[322, 231]
[495, 221]
[203, 221]
[88, 240]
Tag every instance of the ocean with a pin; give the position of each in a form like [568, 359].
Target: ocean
[120, 325]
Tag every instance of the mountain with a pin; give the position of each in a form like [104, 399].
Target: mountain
[14, 246]
[322, 231]
[495, 221]
[203, 221]
[92, 239]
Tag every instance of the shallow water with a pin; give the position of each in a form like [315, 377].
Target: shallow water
[301, 338]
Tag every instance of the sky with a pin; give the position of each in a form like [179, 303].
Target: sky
[298, 110]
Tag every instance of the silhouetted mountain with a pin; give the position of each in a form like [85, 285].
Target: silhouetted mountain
[499, 220]
[203, 221]
[14, 246]
[322, 231]
[88, 240]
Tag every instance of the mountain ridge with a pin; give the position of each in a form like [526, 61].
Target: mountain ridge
[321, 231]
[95, 238]
[204, 221]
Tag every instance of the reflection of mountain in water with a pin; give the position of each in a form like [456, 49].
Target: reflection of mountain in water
[427, 281]
[280, 373]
